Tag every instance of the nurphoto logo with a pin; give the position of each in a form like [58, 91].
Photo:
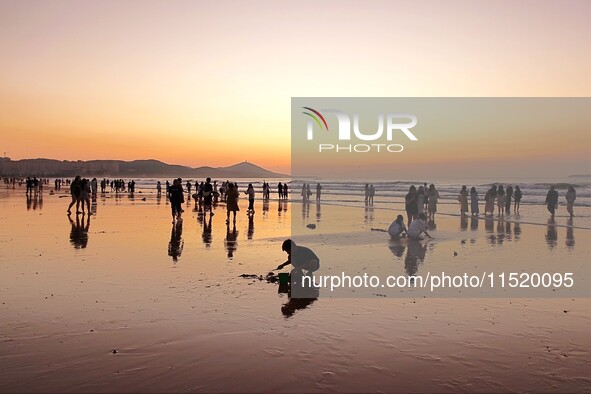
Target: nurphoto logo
[392, 123]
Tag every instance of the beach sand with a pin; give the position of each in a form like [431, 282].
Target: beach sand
[136, 304]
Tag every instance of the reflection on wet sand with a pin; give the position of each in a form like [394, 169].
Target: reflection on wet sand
[93, 205]
[231, 243]
[34, 201]
[369, 214]
[517, 230]
[415, 254]
[79, 231]
[397, 247]
[463, 222]
[250, 232]
[295, 304]
[300, 298]
[570, 234]
[206, 235]
[305, 210]
[474, 223]
[318, 211]
[416, 250]
[551, 234]
[175, 246]
[502, 233]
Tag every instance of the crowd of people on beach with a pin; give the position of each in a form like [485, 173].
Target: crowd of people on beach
[424, 200]
[420, 203]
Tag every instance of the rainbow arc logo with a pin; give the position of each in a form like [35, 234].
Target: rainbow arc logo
[315, 115]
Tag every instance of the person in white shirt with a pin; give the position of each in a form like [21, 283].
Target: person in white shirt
[418, 226]
[397, 228]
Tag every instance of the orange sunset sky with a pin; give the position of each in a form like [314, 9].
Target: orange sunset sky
[210, 82]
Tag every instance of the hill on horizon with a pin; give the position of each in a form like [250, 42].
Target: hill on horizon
[42, 167]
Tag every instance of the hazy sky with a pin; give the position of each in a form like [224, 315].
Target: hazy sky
[210, 82]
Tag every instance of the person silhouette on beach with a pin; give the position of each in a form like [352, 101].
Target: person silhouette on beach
[176, 197]
[552, 201]
[85, 195]
[231, 202]
[250, 192]
[208, 197]
[411, 204]
[421, 198]
[318, 191]
[501, 198]
[489, 200]
[432, 199]
[508, 198]
[301, 258]
[474, 210]
[463, 200]
[188, 185]
[517, 199]
[571, 196]
[75, 194]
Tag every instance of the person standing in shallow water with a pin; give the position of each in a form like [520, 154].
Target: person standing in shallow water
[517, 198]
[176, 197]
[489, 200]
[421, 198]
[474, 202]
[250, 192]
[411, 204]
[501, 200]
[433, 197]
[571, 196]
[552, 201]
[75, 193]
[208, 197]
[508, 197]
[463, 199]
[231, 201]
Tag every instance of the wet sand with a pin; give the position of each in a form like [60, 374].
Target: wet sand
[132, 303]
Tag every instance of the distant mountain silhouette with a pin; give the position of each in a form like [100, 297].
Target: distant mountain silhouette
[128, 169]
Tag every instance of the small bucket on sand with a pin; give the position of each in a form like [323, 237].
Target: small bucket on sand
[283, 278]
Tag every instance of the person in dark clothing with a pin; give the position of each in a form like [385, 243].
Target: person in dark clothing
[300, 257]
[552, 200]
[208, 196]
[508, 197]
[75, 191]
[177, 197]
